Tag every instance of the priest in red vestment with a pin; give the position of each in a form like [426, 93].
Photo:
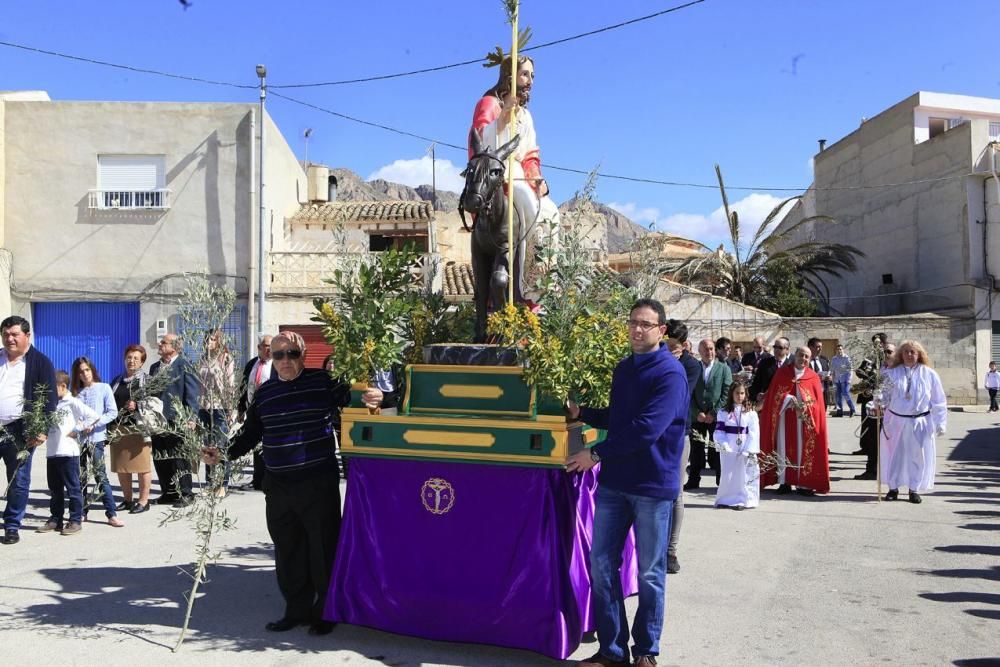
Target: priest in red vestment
[793, 429]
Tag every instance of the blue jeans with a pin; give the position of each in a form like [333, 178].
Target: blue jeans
[64, 482]
[20, 481]
[101, 483]
[614, 514]
[844, 391]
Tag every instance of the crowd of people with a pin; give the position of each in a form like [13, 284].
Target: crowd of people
[754, 419]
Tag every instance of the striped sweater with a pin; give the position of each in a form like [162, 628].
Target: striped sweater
[294, 419]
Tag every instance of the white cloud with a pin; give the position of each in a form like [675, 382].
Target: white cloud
[418, 172]
[632, 211]
[711, 229]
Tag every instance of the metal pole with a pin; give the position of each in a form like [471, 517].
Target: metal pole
[262, 269]
[511, 131]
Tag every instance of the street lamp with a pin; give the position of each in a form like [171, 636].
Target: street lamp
[262, 269]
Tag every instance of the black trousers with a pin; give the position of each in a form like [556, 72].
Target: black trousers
[303, 518]
[868, 443]
[174, 473]
[993, 399]
[696, 460]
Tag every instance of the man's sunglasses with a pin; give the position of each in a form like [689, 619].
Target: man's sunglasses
[278, 355]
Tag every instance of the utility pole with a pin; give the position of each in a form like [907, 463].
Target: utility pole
[262, 269]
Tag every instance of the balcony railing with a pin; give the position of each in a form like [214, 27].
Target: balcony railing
[129, 199]
[297, 272]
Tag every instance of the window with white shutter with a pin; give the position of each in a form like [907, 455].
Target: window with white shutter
[995, 130]
[130, 182]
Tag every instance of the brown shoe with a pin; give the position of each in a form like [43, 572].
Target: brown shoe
[72, 528]
[49, 526]
[598, 660]
[645, 661]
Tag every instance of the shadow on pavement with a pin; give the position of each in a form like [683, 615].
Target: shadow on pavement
[990, 574]
[979, 549]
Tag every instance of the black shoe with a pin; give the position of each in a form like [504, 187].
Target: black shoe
[784, 488]
[182, 502]
[124, 505]
[892, 495]
[691, 486]
[866, 475]
[320, 628]
[283, 624]
[852, 415]
[11, 536]
[673, 565]
[805, 492]
[166, 499]
[739, 508]
[139, 508]
[840, 413]
[915, 498]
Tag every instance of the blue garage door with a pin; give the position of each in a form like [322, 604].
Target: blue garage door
[101, 331]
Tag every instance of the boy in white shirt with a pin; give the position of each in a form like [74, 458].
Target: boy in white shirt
[62, 461]
[993, 385]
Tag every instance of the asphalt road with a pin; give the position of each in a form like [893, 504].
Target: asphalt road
[834, 580]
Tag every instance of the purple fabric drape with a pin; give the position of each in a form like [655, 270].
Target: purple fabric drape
[488, 554]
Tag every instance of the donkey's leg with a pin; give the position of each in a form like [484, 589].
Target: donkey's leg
[481, 272]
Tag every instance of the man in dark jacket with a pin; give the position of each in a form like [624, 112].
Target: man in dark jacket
[677, 330]
[23, 369]
[768, 367]
[757, 355]
[173, 468]
[640, 479]
[258, 370]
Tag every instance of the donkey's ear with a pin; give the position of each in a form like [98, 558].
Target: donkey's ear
[508, 147]
[464, 172]
[476, 141]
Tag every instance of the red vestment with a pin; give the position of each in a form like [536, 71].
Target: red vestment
[812, 452]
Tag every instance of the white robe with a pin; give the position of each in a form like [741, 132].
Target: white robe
[539, 216]
[739, 481]
[909, 453]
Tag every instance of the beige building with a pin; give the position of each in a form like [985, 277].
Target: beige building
[916, 189]
[105, 206]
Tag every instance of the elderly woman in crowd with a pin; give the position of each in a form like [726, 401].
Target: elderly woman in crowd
[216, 374]
[133, 452]
[86, 385]
[916, 412]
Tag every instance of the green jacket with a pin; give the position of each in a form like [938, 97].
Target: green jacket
[710, 397]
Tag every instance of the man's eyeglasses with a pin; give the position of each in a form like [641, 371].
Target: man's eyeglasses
[279, 355]
[642, 326]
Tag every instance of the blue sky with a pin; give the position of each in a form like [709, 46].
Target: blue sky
[748, 84]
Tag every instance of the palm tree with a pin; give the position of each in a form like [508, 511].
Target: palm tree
[745, 274]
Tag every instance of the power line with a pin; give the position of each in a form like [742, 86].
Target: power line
[380, 77]
[129, 68]
[474, 61]
[619, 177]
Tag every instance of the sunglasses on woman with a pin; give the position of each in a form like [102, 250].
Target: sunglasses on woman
[278, 355]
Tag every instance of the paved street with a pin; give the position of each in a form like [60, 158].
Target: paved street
[836, 580]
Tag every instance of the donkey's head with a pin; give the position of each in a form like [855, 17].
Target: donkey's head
[484, 173]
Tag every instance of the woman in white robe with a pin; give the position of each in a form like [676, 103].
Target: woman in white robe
[916, 412]
[737, 436]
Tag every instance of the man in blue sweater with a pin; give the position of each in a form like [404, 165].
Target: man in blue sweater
[640, 479]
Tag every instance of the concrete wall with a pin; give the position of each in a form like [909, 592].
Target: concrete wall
[951, 342]
[919, 233]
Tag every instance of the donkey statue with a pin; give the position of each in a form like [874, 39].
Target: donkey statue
[483, 197]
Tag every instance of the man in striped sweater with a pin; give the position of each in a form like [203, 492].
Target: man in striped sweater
[293, 417]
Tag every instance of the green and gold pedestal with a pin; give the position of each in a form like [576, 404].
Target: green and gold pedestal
[475, 413]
